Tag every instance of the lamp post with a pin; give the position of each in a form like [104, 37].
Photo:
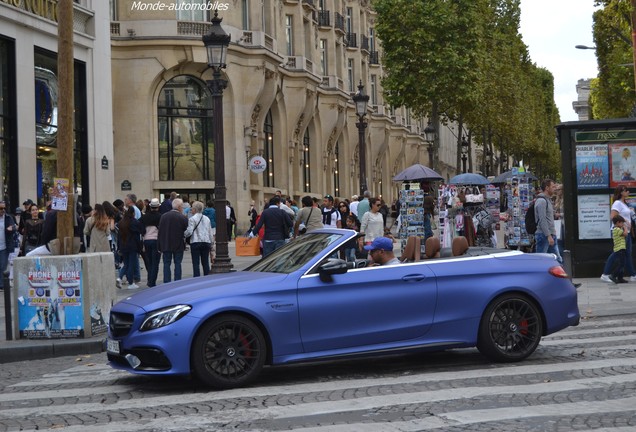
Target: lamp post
[361, 100]
[430, 132]
[464, 154]
[216, 43]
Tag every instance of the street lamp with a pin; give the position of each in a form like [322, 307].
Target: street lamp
[361, 100]
[464, 154]
[430, 132]
[216, 43]
[584, 47]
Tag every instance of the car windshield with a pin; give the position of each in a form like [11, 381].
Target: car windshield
[294, 254]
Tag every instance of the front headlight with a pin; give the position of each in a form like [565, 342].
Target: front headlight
[163, 317]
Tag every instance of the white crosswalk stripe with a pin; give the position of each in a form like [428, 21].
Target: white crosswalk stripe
[585, 371]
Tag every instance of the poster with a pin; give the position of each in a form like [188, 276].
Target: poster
[594, 217]
[592, 166]
[59, 194]
[50, 300]
[623, 164]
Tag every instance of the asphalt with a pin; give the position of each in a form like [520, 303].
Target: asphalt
[596, 299]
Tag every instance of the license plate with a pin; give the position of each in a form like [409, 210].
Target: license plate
[112, 346]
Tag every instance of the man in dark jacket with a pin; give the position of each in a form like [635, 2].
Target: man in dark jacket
[170, 240]
[277, 226]
[166, 205]
[7, 239]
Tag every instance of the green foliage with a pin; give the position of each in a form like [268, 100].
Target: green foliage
[469, 58]
[613, 95]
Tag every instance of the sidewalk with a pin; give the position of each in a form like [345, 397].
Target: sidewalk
[27, 349]
[596, 299]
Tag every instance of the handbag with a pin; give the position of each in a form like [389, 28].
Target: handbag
[193, 231]
[246, 246]
[303, 226]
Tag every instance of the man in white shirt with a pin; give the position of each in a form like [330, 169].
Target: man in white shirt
[353, 207]
[330, 215]
[284, 206]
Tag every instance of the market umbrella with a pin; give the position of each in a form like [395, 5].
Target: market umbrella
[417, 172]
[503, 177]
[468, 179]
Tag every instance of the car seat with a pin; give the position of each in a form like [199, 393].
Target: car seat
[432, 247]
[411, 249]
[459, 245]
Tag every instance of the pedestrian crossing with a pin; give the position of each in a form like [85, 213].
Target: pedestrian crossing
[582, 378]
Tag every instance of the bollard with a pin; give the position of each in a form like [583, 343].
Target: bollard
[567, 262]
[7, 305]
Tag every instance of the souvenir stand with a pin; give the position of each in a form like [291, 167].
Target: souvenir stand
[519, 194]
[411, 213]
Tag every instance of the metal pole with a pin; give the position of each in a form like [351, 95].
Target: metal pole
[362, 153]
[634, 38]
[8, 325]
[222, 262]
[464, 158]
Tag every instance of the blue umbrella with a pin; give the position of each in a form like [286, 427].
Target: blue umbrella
[503, 177]
[468, 179]
[417, 172]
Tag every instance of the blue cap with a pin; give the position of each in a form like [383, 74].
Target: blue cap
[381, 243]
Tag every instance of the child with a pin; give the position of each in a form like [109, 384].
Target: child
[619, 232]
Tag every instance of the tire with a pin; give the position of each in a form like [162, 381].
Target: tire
[228, 351]
[510, 329]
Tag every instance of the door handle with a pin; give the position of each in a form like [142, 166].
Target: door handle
[413, 278]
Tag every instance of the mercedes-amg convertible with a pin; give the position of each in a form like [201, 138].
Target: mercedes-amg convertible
[305, 303]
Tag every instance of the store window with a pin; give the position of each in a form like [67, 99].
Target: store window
[268, 150]
[184, 112]
[306, 163]
[8, 147]
[46, 115]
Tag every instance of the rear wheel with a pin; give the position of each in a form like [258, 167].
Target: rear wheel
[229, 351]
[510, 329]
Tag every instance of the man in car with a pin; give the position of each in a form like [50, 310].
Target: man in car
[381, 251]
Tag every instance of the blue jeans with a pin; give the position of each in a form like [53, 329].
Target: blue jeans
[200, 254]
[270, 246]
[4, 261]
[134, 262]
[168, 256]
[153, 257]
[543, 246]
[128, 258]
[628, 265]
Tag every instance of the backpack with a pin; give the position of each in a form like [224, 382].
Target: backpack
[531, 221]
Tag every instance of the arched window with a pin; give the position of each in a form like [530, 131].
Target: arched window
[268, 129]
[184, 111]
[306, 163]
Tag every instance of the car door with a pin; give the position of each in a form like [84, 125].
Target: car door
[369, 306]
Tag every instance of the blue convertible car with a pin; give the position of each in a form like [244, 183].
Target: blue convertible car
[305, 303]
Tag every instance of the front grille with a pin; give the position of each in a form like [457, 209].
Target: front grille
[152, 359]
[120, 323]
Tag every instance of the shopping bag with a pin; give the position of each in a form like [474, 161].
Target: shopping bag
[246, 246]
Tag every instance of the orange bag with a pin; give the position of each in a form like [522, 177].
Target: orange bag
[246, 246]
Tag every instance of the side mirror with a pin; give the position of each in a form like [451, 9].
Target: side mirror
[331, 267]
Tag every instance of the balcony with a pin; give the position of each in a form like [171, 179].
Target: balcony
[190, 28]
[324, 18]
[299, 63]
[256, 39]
[364, 43]
[374, 58]
[309, 4]
[332, 82]
[340, 23]
[352, 40]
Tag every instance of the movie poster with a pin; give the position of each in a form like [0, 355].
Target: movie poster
[622, 164]
[592, 171]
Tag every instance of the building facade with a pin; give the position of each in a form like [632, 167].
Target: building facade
[29, 99]
[292, 68]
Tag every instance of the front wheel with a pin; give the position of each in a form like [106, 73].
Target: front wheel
[229, 351]
[510, 329]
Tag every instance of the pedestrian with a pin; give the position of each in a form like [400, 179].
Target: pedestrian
[200, 233]
[113, 214]
[230, 220]
[344, 210]
[98, 228]
[252, 214]
[32, 231]
[8, 235]
[210, 212]
[130, 235]
[277, 226]
[620, 207]
[330, 214]
[364, 205]
[308, 218]
[150, 221]
[353, 205]
[619, 234]
[372, 223]
[26, 215]
[166, 205]
[172, 227]
[353, 247]
[545, 235]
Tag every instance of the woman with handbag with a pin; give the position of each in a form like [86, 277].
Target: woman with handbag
[32, 237]
[308, 218]
[372, 223]
[620, 207]
[200, 233]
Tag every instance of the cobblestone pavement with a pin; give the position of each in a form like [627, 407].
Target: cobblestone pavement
[581, 379]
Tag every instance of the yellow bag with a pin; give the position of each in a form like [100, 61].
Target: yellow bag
[246, 246]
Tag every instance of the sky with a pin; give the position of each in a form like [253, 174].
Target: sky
[551, 29]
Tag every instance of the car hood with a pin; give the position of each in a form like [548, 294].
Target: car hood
[188, 291]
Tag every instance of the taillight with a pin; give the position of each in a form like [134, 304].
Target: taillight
[557, 271]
